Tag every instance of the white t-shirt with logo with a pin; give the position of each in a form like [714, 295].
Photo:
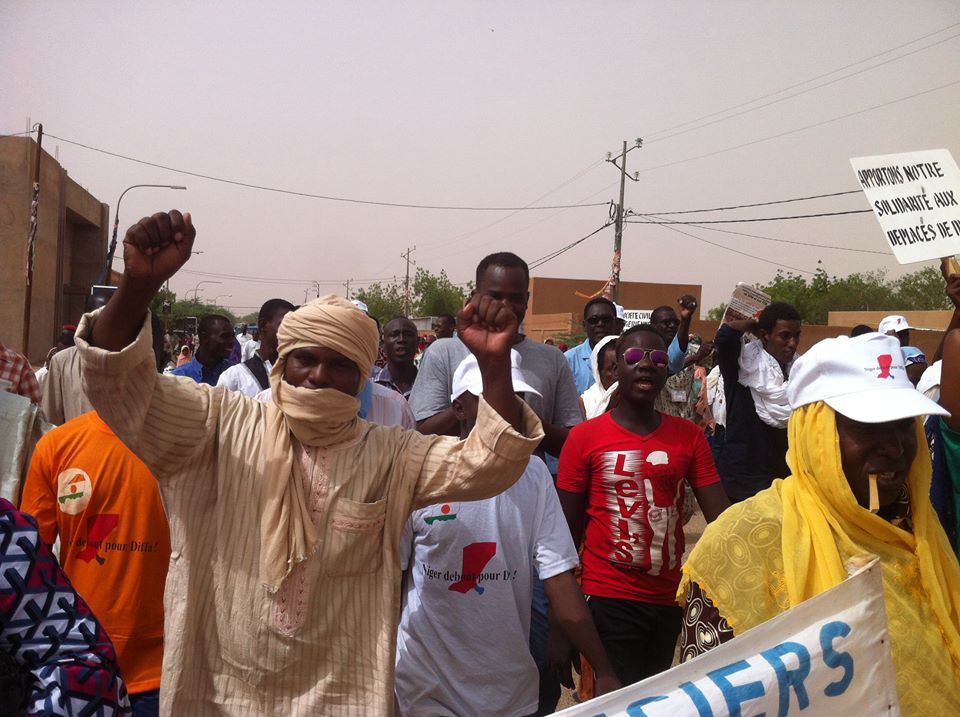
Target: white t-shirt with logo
[463, 640]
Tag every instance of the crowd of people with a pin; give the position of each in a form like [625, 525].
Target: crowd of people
[327, 516]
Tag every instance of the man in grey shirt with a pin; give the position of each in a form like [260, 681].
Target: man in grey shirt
[505, 277]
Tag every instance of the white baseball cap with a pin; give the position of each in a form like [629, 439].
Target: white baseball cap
[467, 377]
[863, 378]
[894, 322]
[360, 305]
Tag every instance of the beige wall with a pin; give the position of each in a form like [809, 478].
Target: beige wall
[70, 246]
[921, 319]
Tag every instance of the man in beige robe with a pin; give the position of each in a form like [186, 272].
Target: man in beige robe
[282, 596]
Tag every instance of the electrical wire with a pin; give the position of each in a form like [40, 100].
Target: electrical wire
[310, 195]
[801, 92]
[737, 251]
[776, 239]
[800, 84]
[553, 255]
[746, 206]
[800, 129]
[757, 219]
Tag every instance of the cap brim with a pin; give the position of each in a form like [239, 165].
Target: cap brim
[524, 387]
[892, 404]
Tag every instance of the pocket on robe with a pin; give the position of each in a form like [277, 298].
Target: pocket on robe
[355, 542]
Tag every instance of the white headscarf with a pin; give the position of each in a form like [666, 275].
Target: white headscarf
[596, 398]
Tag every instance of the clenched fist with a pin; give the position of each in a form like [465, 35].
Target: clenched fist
[156, 247]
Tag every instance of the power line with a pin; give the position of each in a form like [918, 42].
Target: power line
[801, 129]
[782, 241]
[553, 255]
[799, 84]
[746, 206]
[801, 92]
[278, 280]
[326, 197]
[758, 219]
[737, 251]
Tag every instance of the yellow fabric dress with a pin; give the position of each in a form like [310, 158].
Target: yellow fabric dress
[794, 540]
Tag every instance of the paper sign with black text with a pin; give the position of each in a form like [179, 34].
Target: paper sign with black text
[632, 317]
[828, 656]
[746, 302]
[916, 198]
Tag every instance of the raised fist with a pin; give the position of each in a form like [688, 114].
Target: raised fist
[487, 327]
[156, 247]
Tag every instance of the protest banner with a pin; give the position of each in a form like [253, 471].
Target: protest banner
[829, 655]
[916, 198]
[632, 317]
[746, 302]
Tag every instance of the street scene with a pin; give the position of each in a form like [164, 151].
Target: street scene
[457, 359]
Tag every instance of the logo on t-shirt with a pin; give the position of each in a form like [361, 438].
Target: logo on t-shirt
[73, 491]
[98, 528]
[475, 559]
[445, 514]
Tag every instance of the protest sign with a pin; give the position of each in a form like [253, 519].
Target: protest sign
[632, 317]
[829, 655]
[916, 198]
[746, 302]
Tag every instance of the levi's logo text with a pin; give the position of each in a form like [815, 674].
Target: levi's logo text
[642, 494]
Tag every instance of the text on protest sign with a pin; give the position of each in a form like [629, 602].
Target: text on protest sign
[746, 302]
[916, 198]
[828, 656]
[632, 317]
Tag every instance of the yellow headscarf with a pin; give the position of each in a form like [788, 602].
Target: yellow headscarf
[316, 417]
[793, 541]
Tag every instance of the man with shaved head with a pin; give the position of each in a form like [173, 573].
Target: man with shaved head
[283, 592]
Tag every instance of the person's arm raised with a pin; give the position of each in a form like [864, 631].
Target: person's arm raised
[154, 249]
[489, 329]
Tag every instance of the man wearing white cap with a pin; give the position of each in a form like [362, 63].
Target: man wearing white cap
[860, 484]
[896, 325]
[283, 590]
[462, 643]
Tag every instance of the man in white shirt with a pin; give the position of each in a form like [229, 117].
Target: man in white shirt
[463, 639]
[252, 375]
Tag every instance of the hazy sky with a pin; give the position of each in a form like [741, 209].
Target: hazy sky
[484, 104]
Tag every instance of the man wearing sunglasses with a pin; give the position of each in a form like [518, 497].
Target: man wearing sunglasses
[599, 321]
[621, 486]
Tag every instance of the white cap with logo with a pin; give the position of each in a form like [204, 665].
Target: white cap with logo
[467, 377]
[863, 378]
[893, 323]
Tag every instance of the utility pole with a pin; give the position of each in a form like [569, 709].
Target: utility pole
[347, 284]
[32, 245]
[406, 281]
[612, 290]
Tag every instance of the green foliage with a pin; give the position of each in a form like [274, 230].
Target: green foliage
[435, 294]
[716, 313]
[815, 297]
[176, 318]
[430, 295]
[250, 318]
[384, 301]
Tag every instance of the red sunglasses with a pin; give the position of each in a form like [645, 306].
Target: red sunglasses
[633, 356]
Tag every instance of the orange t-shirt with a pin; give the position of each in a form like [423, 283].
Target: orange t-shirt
[87, 487]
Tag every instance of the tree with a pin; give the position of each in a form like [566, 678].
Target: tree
[384, 301]
[815, 297]
[717, 312]
[435, 294]
[430, 295]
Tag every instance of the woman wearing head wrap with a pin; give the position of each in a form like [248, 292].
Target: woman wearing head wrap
[603, 364]
[283, 590]
[859, 485]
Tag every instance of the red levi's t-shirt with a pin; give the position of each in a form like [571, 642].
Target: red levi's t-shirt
[633, 535]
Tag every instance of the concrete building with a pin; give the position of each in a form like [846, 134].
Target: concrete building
[556, 305]
[71, 246]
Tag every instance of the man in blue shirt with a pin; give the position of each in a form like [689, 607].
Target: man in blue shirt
[215, 335]
[599, 320]
[675, 329]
